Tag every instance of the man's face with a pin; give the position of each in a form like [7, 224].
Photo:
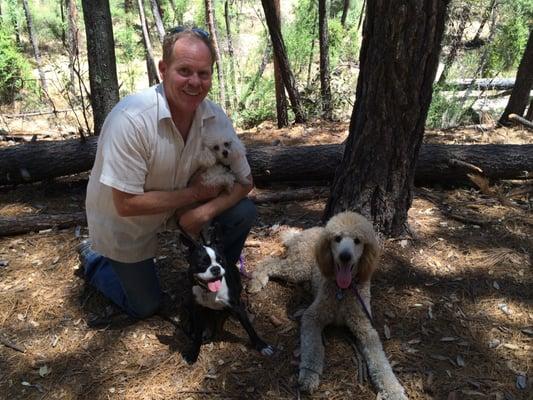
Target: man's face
[187, 76]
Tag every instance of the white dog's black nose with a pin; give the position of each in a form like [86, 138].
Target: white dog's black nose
[225, 153]
[345, 256]
[215, 271]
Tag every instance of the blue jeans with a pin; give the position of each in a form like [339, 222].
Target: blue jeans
[135, 288]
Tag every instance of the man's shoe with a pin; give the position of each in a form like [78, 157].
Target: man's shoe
[83, 248]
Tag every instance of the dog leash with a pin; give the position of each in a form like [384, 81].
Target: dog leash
[339, 294]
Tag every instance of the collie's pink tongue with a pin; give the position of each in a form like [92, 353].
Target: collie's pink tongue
[343, 276]
[214, 286]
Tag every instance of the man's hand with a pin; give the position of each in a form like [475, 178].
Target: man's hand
[192, 221]
[203, 192]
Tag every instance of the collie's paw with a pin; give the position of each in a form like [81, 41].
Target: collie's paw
[392, 395]
[267, 351]
[190, 356]
[308, 380]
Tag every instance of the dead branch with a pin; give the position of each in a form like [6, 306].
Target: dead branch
[521, 120]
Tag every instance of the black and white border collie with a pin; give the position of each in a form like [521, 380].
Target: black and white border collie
[216, 295]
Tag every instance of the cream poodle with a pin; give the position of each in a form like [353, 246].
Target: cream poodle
[221, 157]
[339, 260]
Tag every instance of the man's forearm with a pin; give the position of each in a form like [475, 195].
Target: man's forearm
[154, 202]
[224, 201]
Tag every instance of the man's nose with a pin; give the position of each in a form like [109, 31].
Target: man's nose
[195, 80]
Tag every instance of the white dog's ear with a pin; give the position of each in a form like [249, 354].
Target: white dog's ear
[323, 255]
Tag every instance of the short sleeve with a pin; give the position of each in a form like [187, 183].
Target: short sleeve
[125, 154]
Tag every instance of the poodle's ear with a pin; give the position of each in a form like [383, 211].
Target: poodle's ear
[323, 255]
[369, 259]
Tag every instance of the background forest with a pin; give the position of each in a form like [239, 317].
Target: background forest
[48, 70]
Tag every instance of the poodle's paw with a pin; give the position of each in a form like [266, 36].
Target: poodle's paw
[392, 395]
[308, 380]
[256, 283]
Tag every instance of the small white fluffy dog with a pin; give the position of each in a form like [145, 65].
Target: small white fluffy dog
[221, 157]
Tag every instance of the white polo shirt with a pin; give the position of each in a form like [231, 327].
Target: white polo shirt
[140, 150]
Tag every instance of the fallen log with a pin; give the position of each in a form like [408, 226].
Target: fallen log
[482, 84]
[521, 120]
[437, 163]
[10, 226]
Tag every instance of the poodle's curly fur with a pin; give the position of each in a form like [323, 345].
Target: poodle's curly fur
[219, 155]
[317, 255]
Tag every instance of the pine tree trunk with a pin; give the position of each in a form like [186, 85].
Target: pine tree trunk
[210, 17]
[345, 9]
[231, 55]
[158, 19]
[325, 89]
[523, 83]
[281, 99]
[72, 39]
[35, 44]
[102, 64]
[153, 77]
[274, 27]
[398, 61]
[455, 44]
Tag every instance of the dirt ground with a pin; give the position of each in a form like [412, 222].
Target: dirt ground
[452, 304]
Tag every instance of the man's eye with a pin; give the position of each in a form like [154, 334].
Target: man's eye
[205, 75]
[184, 72]
[216, 148]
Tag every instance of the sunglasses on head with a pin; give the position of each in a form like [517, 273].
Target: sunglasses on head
[178, 29]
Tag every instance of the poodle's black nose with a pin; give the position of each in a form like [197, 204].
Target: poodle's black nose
[225, 153]
[215, 271]
[345, 256]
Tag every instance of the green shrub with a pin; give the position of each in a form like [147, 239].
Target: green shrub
[14, 69]
[445, 109]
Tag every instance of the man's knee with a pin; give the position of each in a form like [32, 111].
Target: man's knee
[145, 306]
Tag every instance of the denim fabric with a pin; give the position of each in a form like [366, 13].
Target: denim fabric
[135, 288]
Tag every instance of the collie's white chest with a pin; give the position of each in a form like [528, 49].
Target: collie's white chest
[214, 301]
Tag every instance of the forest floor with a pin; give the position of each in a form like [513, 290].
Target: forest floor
[453, 304]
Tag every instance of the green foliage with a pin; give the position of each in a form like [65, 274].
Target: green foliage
[47, 23]
[511, 36]
[261, 105]
[447, 109]
[14, 69]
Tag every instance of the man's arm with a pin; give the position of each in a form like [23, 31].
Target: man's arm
[193, 220]
[156, 202]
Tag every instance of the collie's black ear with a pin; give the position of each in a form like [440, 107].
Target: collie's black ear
[215, 237]
[188, 241]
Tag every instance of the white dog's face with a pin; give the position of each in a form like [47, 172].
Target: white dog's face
[346, 251]
[223, 151]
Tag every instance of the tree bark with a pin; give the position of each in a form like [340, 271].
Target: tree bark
[345, 9]
[72, 42]
[398, 61]
[210, 18]
[524, 81]
[281, 100]
[101, 53]
[35, 44]
[325, 89]
[153, 77]
[437, 163]
[231, 55]
[158, 20]
[274, 28]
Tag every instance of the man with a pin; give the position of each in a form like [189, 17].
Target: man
[141, 177]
